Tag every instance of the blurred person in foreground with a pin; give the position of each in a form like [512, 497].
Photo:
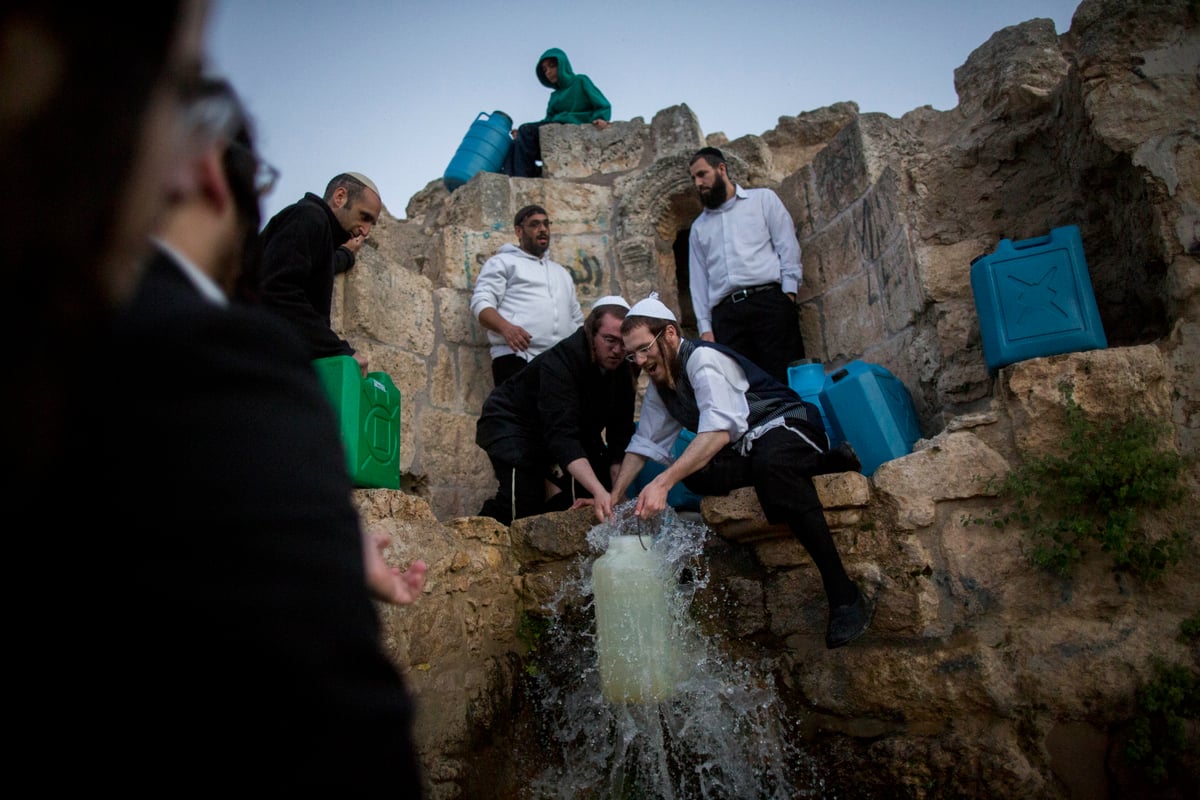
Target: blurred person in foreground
[88, 132]
[232, 482]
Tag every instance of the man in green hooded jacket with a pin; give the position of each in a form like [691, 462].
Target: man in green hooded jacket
[575, 101]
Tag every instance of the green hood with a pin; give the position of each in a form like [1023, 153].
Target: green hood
[576, 100]
[566, 76]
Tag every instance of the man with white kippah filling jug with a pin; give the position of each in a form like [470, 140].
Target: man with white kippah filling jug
[751, 430]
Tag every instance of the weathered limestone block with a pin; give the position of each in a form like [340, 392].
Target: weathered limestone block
[738, 517]
[480, 203]
[585, 256]
[551, 537]
[450, 642]
[747, 613]
[639, 196]
[795, 603]
[748, 161]
[1113, 383]
[541, 589]
[403, 242]
[921, 684]
[850, 326]
[455, 322]
[831, 255]
[843, 171]
[795, 141]
[950, 466]
[462, 252]
[574, 208]
[581, 151]
[1184, 363]
[1014, 74]
[958, 331]
[900, 291]
[1132, 105]
[636, 262]
[797, 190]
[945, 270]
[450, 451]
[475, 374]
[965, 380]
[675, 131]
[390, 304]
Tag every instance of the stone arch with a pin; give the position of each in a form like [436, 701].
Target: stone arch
[653, 211]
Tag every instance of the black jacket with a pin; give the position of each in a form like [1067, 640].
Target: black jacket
[301, 254]
[241, 641]
[559, 408]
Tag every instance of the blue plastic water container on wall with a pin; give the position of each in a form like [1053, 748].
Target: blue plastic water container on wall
[368, 412]
[871, 408]
[1034, 298]
[807, 380]
[680, 497]
[482, 150]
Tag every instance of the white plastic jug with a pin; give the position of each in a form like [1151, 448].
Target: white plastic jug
[639, 661]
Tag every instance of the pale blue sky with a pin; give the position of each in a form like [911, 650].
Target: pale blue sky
[390, 88]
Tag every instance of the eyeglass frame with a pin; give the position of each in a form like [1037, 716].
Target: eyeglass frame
[644, 350]
[265, 174]
[219, 116]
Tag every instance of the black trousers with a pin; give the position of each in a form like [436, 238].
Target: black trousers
[780, 466]
[522, 490]
[526, 151]
[504, 367]
[764, 328]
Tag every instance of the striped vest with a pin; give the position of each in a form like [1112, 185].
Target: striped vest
[767, 397]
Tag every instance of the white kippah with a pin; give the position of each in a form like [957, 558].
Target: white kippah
[611, 300]
[365, 181]
[652, 307]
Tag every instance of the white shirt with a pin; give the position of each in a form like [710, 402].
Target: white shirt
[536, 293]
[720, 385]
[750, 240]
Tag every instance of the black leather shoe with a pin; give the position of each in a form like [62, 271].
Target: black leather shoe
[848, 622]
[840, 459]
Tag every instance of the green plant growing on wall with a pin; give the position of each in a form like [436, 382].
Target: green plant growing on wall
[1160, 731]
[1189, 629]
[530, 631]
[1094, 492]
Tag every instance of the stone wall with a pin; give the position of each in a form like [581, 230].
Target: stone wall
[981, 676]
[1096, 127]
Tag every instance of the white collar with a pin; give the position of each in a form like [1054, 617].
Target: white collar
[205, 285]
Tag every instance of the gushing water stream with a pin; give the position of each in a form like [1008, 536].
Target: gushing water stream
[722, 734]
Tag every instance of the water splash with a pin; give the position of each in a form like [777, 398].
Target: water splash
[724, 733]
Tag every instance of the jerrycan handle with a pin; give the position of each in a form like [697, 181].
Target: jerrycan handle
[1036, 241]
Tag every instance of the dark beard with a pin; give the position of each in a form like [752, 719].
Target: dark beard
[674, 368]
[716, 196]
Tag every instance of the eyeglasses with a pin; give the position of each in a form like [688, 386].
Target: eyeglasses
[644, 350]
[536, 224]
[611, 341]
[218, 115]
[265, 177]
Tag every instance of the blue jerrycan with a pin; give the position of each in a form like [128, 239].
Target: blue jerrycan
[482, 150]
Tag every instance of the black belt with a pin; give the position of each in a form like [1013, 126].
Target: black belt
[741, 294]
